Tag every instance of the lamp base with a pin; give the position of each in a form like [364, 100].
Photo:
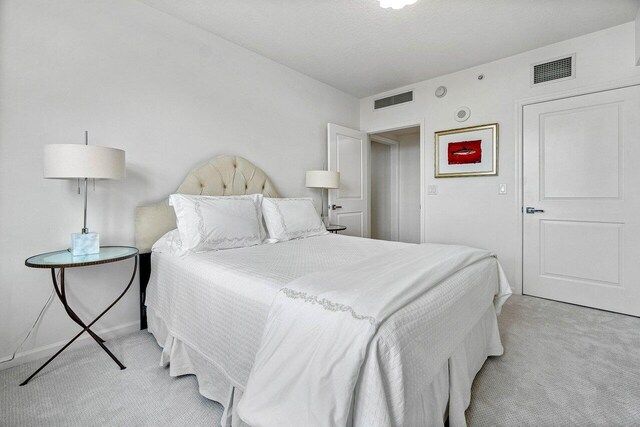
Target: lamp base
[85, 243]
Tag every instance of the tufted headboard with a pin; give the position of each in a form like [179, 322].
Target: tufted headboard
[220, 176]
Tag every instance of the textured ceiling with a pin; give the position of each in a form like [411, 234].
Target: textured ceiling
[362, 49]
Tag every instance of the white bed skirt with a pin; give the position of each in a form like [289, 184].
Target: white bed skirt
[448, 394]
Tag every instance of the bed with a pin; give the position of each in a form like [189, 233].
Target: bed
[208, 312]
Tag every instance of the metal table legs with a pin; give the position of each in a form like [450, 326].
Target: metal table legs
[60, 291]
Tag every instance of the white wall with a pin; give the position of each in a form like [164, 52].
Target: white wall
[638, 38]
[469, 210]
[380, 191]
[409, 197]
[168, 93]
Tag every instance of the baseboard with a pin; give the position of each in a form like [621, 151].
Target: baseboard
[85, 339]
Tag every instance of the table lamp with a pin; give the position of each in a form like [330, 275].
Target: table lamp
[83, 162]
[324, 180]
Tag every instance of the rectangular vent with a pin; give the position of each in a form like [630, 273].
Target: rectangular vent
[400, 98]
[557, 69]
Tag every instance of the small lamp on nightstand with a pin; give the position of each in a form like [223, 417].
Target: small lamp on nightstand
[324, 180]
[83, 162]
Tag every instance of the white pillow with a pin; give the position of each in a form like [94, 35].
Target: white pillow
[288, 219]
[170, 244]
[211, 223]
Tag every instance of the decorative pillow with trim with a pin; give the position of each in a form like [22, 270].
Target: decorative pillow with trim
[170, 244]
[293, 218]
[218, 222]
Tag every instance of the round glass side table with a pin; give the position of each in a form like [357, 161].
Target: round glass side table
[335, 228]
[62, 260]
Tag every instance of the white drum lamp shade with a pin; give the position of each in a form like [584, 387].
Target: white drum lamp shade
[75, 161]
[71, 161]
[323, 179]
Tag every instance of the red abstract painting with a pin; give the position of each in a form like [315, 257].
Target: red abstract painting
[465, 152]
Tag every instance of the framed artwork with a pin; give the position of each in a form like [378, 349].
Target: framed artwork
[471, 151]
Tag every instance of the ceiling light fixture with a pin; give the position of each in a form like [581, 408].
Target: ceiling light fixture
[395, 4]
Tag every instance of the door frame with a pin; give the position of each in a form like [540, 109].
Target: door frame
[403, 125]
[518, 286]
[394, 172]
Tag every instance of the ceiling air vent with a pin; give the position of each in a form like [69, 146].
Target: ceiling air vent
[553, 71]
[400, 98]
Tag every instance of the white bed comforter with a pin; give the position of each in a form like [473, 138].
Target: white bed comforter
[320, 326]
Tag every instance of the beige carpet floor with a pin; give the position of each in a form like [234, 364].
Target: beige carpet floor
[563, 366]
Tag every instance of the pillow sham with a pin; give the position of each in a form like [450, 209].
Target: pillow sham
[170, 244]
[211, 223]
[293, 218]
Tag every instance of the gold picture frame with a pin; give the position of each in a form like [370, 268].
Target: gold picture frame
[472, 162]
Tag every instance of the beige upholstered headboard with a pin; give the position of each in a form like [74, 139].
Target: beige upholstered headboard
[221, 176]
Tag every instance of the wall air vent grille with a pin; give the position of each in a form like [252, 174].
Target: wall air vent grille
[549, 71]
[400, 98]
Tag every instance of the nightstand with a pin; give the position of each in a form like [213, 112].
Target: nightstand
[63, 260]
[335, 228]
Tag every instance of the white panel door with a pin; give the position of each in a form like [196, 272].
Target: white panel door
[582, 170]
[349, 155]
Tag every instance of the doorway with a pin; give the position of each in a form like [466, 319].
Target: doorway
[395, 185]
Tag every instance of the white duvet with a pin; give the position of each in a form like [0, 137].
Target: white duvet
[320, 326]
[216, 304]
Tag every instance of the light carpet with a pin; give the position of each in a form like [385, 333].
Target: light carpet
[84, 387]
[563, 365]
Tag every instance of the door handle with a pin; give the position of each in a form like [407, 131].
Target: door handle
[531, 210]
[333, 207]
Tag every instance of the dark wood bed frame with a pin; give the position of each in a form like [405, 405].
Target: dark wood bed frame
[145, 273]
